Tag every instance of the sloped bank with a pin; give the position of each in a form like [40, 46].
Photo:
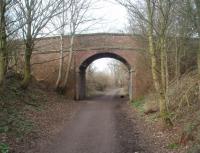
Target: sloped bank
[28, 118]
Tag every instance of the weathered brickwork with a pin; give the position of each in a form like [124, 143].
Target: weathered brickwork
[126, 48]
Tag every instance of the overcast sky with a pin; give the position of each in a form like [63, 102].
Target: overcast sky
[101, 65]
[114, 17]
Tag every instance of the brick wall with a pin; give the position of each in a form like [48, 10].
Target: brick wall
[46, 58]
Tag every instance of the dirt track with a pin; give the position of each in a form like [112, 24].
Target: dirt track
[99, 127]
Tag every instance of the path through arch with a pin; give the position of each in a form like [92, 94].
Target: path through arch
[81, 83]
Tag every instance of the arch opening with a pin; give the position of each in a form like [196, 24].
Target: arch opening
[81, 83]
[107, 75]
[91, 59]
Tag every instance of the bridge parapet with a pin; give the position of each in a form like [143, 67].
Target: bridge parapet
[88, 42]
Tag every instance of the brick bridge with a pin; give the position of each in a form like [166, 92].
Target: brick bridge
[88, 48]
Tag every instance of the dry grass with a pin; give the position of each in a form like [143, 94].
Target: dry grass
[184, 107]
[151, 104]
[184, 94]
[183, 104]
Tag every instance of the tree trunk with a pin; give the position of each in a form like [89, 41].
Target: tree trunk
[16, 62]
[159, 89]
[152, 48]
[6, 60]
[27, 67]
[29, 44]
[154, 65]
[198, 58]
[69, 62]
[177, 60]
[162, 62]
[2, 71]
[197, 3]
[167, 80]
[59, 79]
[159, 86]
[198, 67]
[2, 41]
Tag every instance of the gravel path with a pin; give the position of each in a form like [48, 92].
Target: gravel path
[99, 127]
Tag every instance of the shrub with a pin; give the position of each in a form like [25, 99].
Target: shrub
[4, 148]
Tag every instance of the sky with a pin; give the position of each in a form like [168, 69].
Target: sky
[114, 18]
[106, 16]
[101, 65]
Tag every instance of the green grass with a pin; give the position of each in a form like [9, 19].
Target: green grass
[173, 146]
[139, 104]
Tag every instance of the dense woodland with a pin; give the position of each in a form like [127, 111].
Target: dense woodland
[171, 28]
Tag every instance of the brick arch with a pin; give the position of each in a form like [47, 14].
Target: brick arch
[131, 50]
[81, 75]
[100, 55]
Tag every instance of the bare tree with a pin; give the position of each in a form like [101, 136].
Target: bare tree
[5, 11]
[77, 16]
[97, 80]
[60, 23]
[154, 18]
[119, 73]
[34, 14]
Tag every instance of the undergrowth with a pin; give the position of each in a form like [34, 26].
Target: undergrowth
[183, 105]
[14, 103]
[139, 104]
[4, 148]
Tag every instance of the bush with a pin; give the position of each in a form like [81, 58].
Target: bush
[4, 148]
